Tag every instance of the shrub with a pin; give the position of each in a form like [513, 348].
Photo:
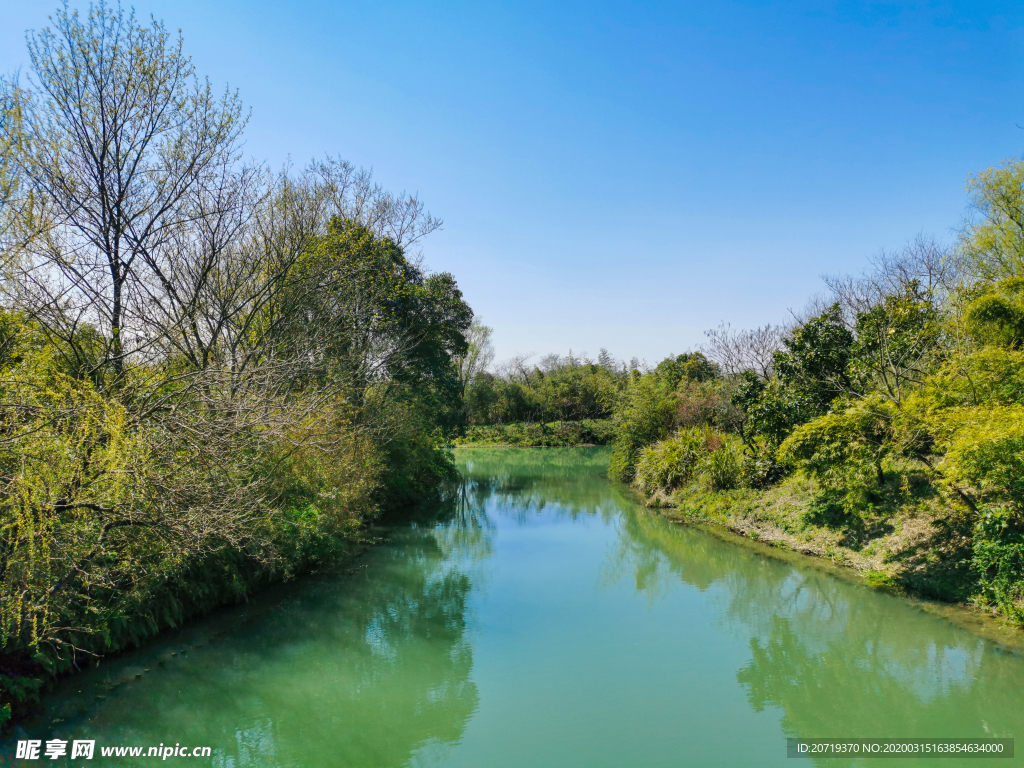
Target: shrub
[722, 469]
[845, 448]
[687, 455]
[646, 415]
[984, 449]
[999, 559]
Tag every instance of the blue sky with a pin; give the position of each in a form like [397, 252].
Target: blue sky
[628, 174]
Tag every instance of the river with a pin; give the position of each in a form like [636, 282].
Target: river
[542, 618]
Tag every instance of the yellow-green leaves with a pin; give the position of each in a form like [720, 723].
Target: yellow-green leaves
[845, 447]
[997, 315]
[989, 375]
[994, 246]
[984, 449]
[697, 453]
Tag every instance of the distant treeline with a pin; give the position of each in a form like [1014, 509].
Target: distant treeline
[554, 389]
[211, 375]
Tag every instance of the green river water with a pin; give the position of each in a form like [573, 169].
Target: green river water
[543, 618]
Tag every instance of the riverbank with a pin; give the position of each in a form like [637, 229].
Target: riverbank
[554, 434]
[910, 543]
[26, 680]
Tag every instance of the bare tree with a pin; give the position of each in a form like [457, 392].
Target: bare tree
[516, 368]
[10, 128]
[116, 134]
[934, 269]
[351, 193]
[738, 350]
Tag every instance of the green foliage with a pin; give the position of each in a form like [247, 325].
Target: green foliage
[114, 526]
[491, 400]
[983, 449]
[999, 559]
[70, 454]
[575, 390]
[815, 365]
[911, 369]
[706, 402]
[682, 392]
[895, 340]
[542, 434]
[571, 390]
[997, 315]
[985, 376]
[414, 458]
[691, 366]
[994, 246]
[772, 410]
[723, 469]
[359, 292]
[252, 370]
[697, 453]
[973, 413]
[672, 463]
[845, 449]
[646, 414]
[809, 375]
[905, 395]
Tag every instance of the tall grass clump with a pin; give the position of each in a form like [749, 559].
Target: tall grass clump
[690, 455]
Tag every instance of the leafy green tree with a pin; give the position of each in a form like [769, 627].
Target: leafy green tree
[375, 318]
[983, 450]
[645, 415]
[996, 316]
[816, 363]
[984, 376]
[811, 373]
[846, 447]
[688, 367]
[897, 341]
[559, 389]
[576, 390]
[479, 353]
[994, 245]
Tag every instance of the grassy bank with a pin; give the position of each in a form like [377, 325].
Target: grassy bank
[905, 542]
[554, 434]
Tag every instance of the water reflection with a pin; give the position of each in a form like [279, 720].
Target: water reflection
[838, 659]
[568, 482]
[318, 676]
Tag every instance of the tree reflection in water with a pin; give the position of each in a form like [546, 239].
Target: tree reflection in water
[321, 675]
[825, 651]
[522, 483]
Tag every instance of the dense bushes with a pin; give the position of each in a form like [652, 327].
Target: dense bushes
[693, 454]
[684, 391]
[645, 415]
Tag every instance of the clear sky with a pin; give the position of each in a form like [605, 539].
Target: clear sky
[628, 174]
